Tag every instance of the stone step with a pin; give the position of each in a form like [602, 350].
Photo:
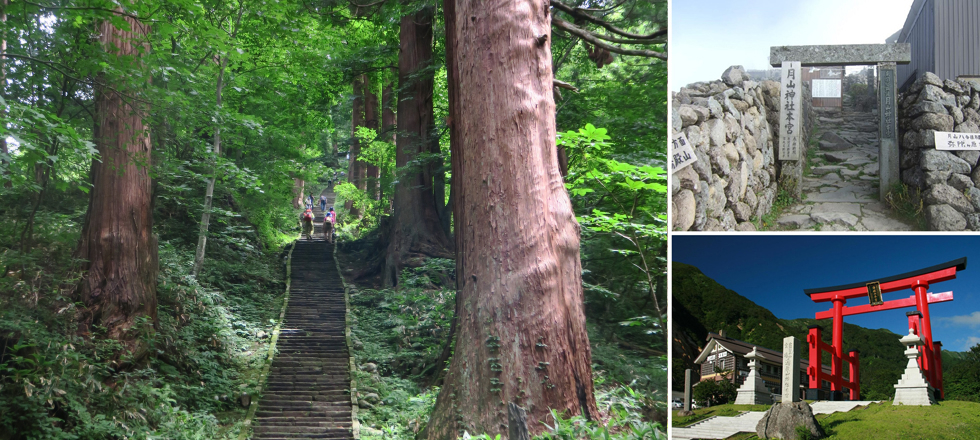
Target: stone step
[307, 392]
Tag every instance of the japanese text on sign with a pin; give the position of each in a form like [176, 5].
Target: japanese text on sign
[887, 90]
[957, 141]
[826, 88]
[789, 114]
[681, 153]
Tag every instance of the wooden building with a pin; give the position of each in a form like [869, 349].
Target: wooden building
[728, 354]
[945, 39]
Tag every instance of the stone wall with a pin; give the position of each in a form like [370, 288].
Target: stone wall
[732, 124]
[946, 181]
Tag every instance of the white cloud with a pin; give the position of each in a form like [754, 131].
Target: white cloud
[964, 344]
[971, 320]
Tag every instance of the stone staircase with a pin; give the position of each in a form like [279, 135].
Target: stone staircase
[307, 394]
[719, 427]
[841, 190]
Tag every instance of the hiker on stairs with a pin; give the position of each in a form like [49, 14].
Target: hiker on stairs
[307, 219]
[329, 221]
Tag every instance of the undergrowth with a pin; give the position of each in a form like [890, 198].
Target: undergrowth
[907, 204]
[399, 335]
[206, 348]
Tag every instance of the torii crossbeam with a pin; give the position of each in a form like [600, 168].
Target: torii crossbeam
[918, 281]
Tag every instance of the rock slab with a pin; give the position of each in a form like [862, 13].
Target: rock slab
[781, 420]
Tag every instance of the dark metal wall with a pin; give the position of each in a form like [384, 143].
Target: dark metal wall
[945, 39]
[920, 32]
[957, 24]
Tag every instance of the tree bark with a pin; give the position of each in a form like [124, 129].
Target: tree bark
[354, 165]
[298, 188]
[118, 286]
[521, 319]
[388, 112]
[4, 152]
[416, 229]
[373, 173]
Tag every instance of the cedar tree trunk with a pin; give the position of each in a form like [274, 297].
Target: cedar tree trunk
[416, 230]
[3, 90]
[521, 322]
[354, 166]
[388, 113]
[298, 188]
[373, 180]
[117, 243]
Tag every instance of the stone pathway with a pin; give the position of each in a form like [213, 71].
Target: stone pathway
[308, 390]
[724, 427]
[841, 191]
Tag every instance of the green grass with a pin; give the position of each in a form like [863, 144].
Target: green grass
[907, 204]
[784, 199]
[950, 420]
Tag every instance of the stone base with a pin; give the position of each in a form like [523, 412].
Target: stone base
[683, 413]
[781, 421]
[753, 397]
[917, 396]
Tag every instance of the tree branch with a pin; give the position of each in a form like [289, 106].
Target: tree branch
[579, 13]
[588, 36]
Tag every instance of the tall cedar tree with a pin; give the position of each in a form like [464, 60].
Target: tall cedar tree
[521, 321]
[117, 244]
[416, 230]
[373, 172]
[355, 167]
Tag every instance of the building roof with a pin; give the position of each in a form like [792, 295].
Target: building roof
[914, 12]
[741, 348]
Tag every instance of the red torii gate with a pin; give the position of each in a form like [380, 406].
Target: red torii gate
[918, 281]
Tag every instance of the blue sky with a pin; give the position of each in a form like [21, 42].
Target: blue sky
[707, 36]
[772, 271]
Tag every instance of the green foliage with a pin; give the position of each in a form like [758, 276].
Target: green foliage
[403, 333]
[205, 350]
[349, 227]
[711, 393]
[907, 203]
[633, 219]
[803, 433]
[961, 374]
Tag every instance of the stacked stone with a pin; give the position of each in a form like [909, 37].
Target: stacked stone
[948, 181]
[734, 179]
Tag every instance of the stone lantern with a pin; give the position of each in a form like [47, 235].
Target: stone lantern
[753, 391]
[912, 388]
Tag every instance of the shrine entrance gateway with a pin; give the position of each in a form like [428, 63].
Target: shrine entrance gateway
[885, 56]
[930, 359]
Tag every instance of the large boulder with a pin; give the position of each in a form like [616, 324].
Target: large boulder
[734, 76]
[684, 208]
[781, 420]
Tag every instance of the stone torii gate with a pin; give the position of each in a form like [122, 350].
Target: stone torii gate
[918, 281]
[886, 56]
